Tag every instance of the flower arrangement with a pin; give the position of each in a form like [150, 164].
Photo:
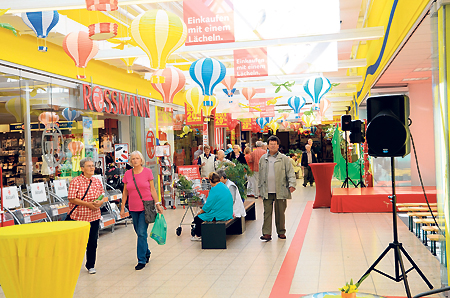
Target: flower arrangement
[351, 288]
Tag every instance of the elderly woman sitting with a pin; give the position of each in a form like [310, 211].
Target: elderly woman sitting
[219, 206]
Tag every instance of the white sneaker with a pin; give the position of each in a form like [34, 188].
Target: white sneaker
[195, 238]
[92, 271]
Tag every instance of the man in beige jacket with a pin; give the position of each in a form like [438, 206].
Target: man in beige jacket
[276, 183]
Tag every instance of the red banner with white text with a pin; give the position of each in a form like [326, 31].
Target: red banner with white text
[250, 63]
[191, 118]
[208, 21]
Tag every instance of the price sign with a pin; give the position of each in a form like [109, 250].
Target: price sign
[27, 219]
[192, 118]
[246, 124]
[38, 192]
[191, 172]
[60, 188]
[10, 197]
[220, 120]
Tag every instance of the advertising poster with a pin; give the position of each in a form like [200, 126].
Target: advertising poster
[220, 120]
[10, 197]
[38, 192]
[88, 131]
[269, 111]
[205, 134]
[190, 172]
[246, 124]
[121, 153]
[163, 150]
[250, 63]
[191, 118]
[208, 22]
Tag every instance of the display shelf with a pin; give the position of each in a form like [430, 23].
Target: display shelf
[166, 181]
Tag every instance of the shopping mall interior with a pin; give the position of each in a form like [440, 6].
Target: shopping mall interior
[362, 83]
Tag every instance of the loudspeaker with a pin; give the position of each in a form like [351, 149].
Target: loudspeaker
[387, 130]
[357, 132]
[346, 122]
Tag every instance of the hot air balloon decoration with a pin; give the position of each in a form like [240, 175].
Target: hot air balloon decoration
[296, 103]
[194, 98]
[69, 114]
[41, 22]
[174, 82]
[274, 127]
[209, 104]
[48, 118]
[308, 119]
[229, 82]
[129, 63]
[248, 93]
[102, 31]
[261, 122]
[102, 5]
[323, 107]
[81, 49]
[207, 73]
[186, 130]
[285, 124]
[316, 87]
[159, 33]
[313, 130]
[16, 107]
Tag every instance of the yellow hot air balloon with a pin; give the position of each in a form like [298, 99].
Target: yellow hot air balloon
[274, 127]
[129, 62]
[209, 104]
[307, 119]
[16, 107]
[194, 98]
[159, 33]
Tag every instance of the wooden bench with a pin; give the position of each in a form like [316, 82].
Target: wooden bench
[214, 233]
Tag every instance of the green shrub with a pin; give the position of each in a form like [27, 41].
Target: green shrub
[237, 175]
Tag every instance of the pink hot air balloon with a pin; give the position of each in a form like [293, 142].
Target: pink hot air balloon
[80, 48]
[323, 107]
[78, 147]
[173, 83]
[71, 147]
[285, 115]
[48, 117]
[248, 93]
[229, 82]
[285, 124]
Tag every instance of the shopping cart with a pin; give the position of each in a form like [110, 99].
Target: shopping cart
[191, 200]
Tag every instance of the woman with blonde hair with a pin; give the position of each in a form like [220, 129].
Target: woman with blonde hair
[139, 187]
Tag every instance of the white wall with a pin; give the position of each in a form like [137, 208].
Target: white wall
[421, 114]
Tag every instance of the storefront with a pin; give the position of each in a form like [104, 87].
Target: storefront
[49, 123]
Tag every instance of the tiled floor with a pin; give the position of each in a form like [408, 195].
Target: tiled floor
[336, 247]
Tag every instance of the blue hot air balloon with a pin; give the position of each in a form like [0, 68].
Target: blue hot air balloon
[296, 103]
[41, 22]
[207, 73]
[262, 122]
[268, 119]
[69, 114]
[316, 87]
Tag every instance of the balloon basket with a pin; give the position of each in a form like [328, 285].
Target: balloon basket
[42, 49]
[81, 76]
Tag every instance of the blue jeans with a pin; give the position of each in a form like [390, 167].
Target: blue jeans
[140, 227]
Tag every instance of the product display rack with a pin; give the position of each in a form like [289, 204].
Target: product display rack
[166, 182]
[115, 201]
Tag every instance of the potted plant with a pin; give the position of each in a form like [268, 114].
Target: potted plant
[237, 174]
[350, 289]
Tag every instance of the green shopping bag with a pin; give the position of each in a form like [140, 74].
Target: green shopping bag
[159, 230]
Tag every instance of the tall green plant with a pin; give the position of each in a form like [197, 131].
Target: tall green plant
[237, 175]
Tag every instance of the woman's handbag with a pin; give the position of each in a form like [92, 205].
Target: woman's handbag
[159, 230]
[149, 206]
[71, 211]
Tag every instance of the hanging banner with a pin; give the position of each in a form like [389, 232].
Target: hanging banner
[208, 22]
[250, 63]
[205, 133]
[191, 118]
[269, 111]
[218, 138]
[246, 124]
[257, 104]
[88, 130]
[220, 120]
[165, 118]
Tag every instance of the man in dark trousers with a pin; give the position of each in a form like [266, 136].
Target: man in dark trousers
[308, 157]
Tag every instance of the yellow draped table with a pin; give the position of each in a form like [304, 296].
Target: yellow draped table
[42, 259]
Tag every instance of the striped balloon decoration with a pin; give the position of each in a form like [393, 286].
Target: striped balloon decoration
[229, 82]
[218, 138]
[296, 103]
[173, 83]
[48, 117]
[41, 22]
[316, 88]
[80, 48]
[261, 122]
[194, 98]
[207, 73]
[69, 114]
[158, 33]
[248, 93]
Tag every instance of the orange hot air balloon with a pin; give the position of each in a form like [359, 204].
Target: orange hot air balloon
[48, 117]
[71, 147]
[174, 81]
[285, 115]
[229, 82]
[248, 93]
[81, 49]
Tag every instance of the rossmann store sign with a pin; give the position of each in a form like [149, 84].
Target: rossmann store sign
[110, 101]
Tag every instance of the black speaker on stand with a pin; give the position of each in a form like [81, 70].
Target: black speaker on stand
[346, 125]
[388, 136]
[357, 136]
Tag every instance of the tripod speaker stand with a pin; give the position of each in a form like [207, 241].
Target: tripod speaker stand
[361, 182]
[345, 184]
[400, 272]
